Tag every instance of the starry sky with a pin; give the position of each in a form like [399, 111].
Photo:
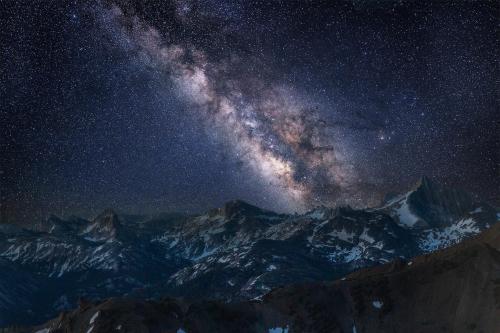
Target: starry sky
[151, 106]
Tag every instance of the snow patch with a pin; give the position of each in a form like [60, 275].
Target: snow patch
[477, 210]
[435, 239]
[345, 255]
[316, 214]
[377, 304]
[206, 252]
[364, 236]
[271, 268]
[343, 235]
[278, 330]
[405, 216]
[394, 200]
[94, 317]
[315, 230]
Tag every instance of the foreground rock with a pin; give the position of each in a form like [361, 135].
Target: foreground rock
[452, 290]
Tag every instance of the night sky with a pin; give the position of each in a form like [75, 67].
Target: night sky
[151, 106]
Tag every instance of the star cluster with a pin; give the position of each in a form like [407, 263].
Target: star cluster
[149, 106]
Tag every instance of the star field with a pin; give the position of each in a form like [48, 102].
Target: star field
[150, 106]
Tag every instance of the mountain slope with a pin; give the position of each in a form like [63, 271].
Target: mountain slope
[452, 290]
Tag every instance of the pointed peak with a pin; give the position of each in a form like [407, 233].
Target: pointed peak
[108, 212]
[424, 180]
[105, 226]
[240, 207]
[239, 204]
[425, 183]
[107, 217]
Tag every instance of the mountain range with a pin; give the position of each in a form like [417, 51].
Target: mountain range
[452, 290]
[237, 254]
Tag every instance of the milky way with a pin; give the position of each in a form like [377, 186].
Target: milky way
[272, 131]
[147, 106]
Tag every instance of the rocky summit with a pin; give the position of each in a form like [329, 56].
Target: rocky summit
[242, 256]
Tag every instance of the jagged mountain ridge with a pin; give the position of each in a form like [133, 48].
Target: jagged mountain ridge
[232, 253]
[419, 295]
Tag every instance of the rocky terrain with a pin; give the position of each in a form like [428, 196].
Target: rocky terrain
[235, 253]
[451, 290]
